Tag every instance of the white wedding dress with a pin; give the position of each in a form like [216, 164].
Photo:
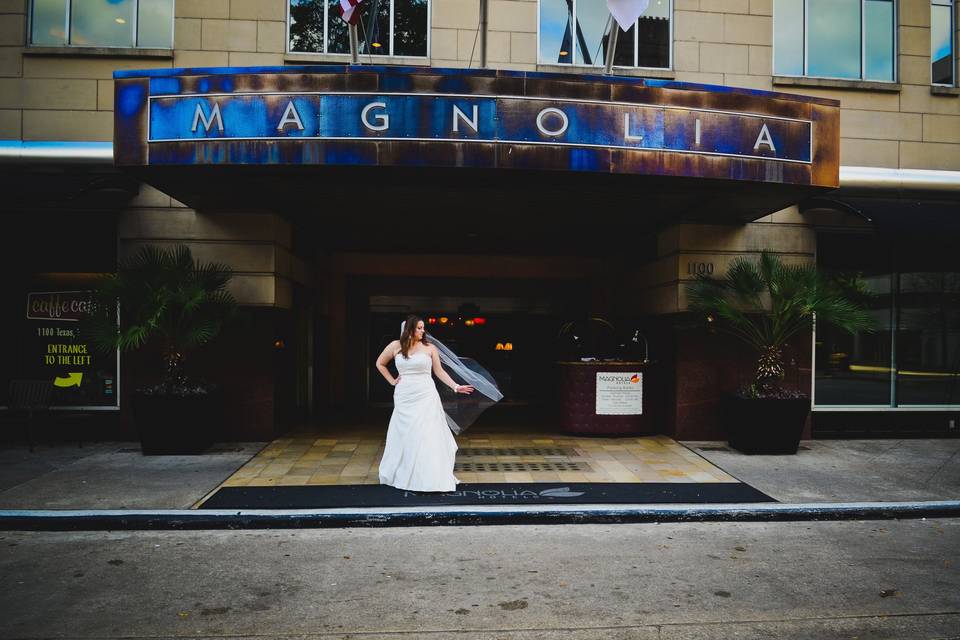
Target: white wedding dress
[420, 450]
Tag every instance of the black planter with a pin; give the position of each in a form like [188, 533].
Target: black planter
[768, 426]
[176, 425]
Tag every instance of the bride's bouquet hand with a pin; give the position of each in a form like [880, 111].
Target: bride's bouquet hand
[464, 388]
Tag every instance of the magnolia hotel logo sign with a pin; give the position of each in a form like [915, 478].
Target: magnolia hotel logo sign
[481, 119]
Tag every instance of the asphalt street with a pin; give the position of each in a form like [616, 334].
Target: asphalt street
[823, 580]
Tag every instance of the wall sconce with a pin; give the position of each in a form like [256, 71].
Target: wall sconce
[279, 344]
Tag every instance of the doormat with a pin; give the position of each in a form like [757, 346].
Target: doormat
[507, 493]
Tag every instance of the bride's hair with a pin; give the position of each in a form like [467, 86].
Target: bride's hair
[406, 337]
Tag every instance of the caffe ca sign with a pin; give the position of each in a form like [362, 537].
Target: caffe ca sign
[438, 117]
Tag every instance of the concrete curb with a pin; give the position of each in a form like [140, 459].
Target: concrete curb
[135, 520]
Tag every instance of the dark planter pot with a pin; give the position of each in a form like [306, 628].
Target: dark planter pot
[767, 426]
[176, 425]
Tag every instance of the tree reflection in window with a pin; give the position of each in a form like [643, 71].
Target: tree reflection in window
[408, 36]
[306, 25]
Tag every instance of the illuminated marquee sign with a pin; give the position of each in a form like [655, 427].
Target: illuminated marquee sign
[471, 118]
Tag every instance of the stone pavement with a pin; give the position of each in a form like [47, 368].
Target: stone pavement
[116, 476]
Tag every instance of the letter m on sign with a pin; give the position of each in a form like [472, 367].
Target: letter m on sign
[200, 117]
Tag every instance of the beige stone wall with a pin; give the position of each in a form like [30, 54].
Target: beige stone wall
[256, 245]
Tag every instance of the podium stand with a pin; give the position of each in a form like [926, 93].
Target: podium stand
[606, 398]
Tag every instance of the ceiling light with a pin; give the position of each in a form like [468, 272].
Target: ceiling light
[120, 21]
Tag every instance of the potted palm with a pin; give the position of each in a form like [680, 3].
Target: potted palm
[765, 304]
[171, 302]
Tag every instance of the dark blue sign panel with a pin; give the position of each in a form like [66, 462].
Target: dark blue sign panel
[469, 118]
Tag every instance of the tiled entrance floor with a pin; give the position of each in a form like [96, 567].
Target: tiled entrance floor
[350, 458]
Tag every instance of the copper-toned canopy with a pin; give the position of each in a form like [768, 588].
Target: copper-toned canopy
[433, 141]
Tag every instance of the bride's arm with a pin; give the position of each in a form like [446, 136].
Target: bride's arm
[444, 376]
[388, 353]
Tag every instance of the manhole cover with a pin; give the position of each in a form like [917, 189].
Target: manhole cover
[521, 466]
[517, 451]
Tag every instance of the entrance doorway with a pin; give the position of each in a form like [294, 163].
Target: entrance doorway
[509, 327]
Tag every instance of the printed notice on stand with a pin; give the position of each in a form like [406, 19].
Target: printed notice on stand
[619, 393]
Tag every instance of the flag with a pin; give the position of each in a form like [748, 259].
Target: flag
[349, 10]
[625, 12]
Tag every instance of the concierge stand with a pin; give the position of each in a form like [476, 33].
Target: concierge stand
[606, 398]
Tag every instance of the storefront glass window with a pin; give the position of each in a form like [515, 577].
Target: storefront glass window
[855, 369]
[102, 23]
[941, 42]
[928, 325]
[385, 28]
[575, 32]
[910, 287]
[847, 39]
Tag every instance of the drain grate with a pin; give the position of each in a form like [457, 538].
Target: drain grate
[518, 451]
[521, 466]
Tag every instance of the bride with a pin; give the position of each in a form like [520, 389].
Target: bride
[420, 449]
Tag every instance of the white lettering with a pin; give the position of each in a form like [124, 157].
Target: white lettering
[696, 132]
[553, 133]
[764, 138]
[199, 116]
[382, 118]
[626, 130]
[459, 115]
[290, 116]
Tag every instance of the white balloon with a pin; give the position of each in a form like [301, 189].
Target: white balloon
[626, 12]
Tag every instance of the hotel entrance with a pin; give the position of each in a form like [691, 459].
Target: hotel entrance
[498, 206]
[509, 327]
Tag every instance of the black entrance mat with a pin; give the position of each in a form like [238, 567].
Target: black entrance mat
[497, 494]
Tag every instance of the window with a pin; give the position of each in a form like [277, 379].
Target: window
[385, 28]
[942, 68]
[102, 23]
[575, 32]
[847, 39]
[913, 356]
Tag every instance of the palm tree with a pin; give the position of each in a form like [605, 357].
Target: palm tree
[766, 303]
[163, 294]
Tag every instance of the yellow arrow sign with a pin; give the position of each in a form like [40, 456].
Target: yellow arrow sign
[72, 380]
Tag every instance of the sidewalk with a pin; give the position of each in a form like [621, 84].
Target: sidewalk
[114, 475]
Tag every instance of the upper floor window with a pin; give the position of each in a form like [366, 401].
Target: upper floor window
[851, 39]
[575, 32]
[385, 28]
[102, 23]
[942, 68]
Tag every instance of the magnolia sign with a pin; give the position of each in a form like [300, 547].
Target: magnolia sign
[619, 393]
[470, 118]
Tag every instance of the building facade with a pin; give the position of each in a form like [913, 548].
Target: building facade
[328, 258]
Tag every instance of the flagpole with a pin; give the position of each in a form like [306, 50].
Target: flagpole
[354, 45]
[611, 45]
[483, 33]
